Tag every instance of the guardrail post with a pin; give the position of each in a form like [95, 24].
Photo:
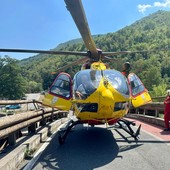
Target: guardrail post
[56, 116]
[137, 111]
[3, 144]
[156, 113]
[44, 120]
[32, 128]
[144, 111]
[12, 139]
[35, 105]
[52, 115]
[65, 114]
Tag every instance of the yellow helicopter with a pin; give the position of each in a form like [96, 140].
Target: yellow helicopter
[96, 94]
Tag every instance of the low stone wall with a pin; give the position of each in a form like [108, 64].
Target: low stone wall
[148, 119]
[16, 156]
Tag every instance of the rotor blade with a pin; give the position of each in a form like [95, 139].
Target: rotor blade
[108, 58]
[44, 52]
[77, 11]
[131, 52]
[72, 64]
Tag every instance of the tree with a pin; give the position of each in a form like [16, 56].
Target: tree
[34, 87]
[159, 90]
[12, 84]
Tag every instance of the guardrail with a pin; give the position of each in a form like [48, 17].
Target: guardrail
[151, 109]
[11, 127]
[35, 103]
[151, 113]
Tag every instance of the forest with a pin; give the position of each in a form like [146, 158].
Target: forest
[152, 33]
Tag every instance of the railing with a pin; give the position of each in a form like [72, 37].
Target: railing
[151, 109]
[151, 113]
[12, 126]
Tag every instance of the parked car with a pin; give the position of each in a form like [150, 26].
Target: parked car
[15, 106]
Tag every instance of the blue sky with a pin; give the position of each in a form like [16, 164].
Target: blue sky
[43, 24]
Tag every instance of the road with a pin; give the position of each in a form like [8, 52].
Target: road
[100, 148]
[31, 96]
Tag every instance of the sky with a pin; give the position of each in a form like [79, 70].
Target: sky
[44, 24]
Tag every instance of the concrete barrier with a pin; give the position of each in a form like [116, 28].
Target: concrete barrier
[14, 158]
[148, 119]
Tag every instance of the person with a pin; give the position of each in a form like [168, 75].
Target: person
[126, 69]
[86, 65]
[85, 88]
[167, 111]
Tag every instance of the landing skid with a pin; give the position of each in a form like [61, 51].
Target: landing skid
[123, 124]
[64, 132]
[126, 126]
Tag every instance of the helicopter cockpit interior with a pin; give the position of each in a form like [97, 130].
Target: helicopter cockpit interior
[61, 86]
[87, 81]
[136, 85]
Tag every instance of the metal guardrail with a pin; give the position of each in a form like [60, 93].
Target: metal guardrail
[152, 109]
[151, 113]
[11, 126]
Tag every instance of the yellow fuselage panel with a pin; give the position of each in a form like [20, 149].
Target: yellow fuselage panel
[100, 115]
[105, 97]
[54, 101]
[98, 66]
[141, 99]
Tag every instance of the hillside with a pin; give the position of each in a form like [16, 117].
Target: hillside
[151, 32]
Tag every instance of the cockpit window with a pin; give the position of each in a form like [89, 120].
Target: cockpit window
[61, 86]
[136, 85]
[85, 83]
[118, 81]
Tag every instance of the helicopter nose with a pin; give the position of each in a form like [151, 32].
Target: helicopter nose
[107, 97]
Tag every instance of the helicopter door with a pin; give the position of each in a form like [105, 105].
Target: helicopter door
[139, 93]
[60, 93]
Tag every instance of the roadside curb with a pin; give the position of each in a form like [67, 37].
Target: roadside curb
[12, 160]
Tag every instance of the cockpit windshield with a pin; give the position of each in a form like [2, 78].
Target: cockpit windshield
[117, 80]
[85, 83]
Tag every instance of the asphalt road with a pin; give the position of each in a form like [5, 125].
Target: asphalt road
[100, 148]
[32, 96]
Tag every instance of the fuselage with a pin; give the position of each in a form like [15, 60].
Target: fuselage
[104, 95]
[97, 95]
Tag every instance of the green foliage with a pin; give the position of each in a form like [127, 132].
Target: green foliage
[34, 87]
[159, 90]
[29, 153]
[12, 84]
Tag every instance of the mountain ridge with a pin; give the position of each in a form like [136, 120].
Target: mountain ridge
[149, 33]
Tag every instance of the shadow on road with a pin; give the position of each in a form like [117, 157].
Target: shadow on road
[84, 149]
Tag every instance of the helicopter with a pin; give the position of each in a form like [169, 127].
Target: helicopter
[96, 94]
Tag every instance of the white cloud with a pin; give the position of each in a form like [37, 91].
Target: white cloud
[165, 4]
[142, 8]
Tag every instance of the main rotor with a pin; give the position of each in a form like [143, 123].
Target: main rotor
[75, 7]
